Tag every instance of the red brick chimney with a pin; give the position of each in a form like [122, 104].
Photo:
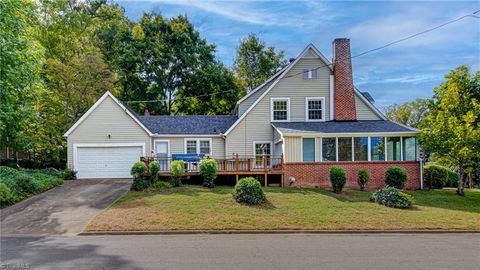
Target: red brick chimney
[344, 94]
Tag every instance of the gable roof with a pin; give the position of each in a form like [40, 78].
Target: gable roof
[188, 124]
[99, 101]
[330, 127]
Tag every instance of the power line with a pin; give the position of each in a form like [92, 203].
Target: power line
[161, 100]
[471, 15]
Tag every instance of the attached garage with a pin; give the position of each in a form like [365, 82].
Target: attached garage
[106, 161]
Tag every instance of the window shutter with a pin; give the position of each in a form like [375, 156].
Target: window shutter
[305, 73]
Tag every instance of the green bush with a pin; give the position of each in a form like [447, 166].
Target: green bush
[177, 171]
[69, 174]
[208, 170]
[140, 183]
[363, 178]
[138, 169]
[338, 179]
[396, 177]
[435, 176]
[452, 179]
[154, 170]
[392, 197]
[23, 183]
[159, 185]
[6, 196]
[248, 190]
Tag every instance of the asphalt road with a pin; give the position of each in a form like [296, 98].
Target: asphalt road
[255, 251]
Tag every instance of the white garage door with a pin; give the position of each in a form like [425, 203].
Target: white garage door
[106, 162]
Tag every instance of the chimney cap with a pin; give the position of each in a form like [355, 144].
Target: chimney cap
[341, 39]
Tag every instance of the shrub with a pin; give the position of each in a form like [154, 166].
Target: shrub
[435, 176]
[140, 183]
[396, 177]
[208, 169]
[363, 178]
[154, 170]
[159, 185]
[338, 178]
[138, 169]
[177, 170]
[248, 190]
[69, 174]
[392, 197]
[26, 185]
[6, 196]
[452, 179]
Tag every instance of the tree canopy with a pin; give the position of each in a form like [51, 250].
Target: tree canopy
[412, 113]
[453, 124]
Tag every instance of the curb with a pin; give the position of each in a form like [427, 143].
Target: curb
[187, 232]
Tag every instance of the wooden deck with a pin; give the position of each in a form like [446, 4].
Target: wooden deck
[237, 165]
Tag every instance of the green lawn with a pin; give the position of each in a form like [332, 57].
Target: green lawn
[195, 207]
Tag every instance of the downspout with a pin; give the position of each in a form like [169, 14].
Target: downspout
[421, 174]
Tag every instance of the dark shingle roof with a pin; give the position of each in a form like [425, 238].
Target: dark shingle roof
[368, 96]
[361, 126]
[189, 124]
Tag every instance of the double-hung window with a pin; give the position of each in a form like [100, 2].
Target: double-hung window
[314, 108]
[280, 109]
[309, 73]
[198, 146]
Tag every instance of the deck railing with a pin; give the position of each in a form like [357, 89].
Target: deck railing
[235, 164]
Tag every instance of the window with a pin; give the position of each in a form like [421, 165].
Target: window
[161, 149]
[263, 148]
[310, 73]
[205, 147]
[393, 148]
[360, 146]
[329, 150]
[314, 108]
[409, 148]
[280, 109]
[308, 149]
[377, 148]
[345, 149]
[198, 146]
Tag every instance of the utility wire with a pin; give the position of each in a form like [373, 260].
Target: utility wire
[471, 15]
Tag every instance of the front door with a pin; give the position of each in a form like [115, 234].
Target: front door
[162, 154]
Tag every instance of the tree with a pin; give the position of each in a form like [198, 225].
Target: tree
[412, 113]
[453, 124]
[21, 58]
[255, 63]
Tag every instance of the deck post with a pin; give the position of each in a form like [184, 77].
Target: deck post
[236, 163]
[281, 180]
[224, 165]
[236, 178]
[265, 170]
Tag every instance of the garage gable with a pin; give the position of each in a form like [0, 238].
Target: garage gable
[107, 111]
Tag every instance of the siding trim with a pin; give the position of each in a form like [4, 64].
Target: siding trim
[349, 134]
[289, 67]
[99, 101]
[94, 145]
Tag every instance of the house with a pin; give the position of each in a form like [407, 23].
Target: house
[299, 123]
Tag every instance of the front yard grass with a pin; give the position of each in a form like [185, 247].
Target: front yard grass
[199, 208]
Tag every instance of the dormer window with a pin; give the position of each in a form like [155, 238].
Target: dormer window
[309, 73]
[314, 109]
[280, 109]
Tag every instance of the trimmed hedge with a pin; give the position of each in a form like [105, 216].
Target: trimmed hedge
[396, 177]
[435, 176]
[18, 184]
[177, 171]
[208, 170]
[248, 190]
[363, 178]
[392, 197]
[154, 170]
[338, 178]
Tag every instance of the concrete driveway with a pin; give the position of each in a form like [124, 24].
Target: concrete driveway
[64, 210]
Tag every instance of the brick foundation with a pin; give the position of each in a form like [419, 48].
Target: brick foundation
[316, 174]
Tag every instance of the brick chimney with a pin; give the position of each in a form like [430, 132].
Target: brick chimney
[146, 112]
[344, 94]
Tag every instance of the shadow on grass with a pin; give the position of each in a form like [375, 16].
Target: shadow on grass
[448, 199]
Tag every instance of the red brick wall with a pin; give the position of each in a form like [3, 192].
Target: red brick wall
[344, 95]
[316, 174]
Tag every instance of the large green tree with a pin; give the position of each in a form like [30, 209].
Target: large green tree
[21, 58]
[453, 124]
[255, 62]
[412, 113]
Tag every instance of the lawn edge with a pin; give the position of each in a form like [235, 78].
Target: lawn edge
[180, 232]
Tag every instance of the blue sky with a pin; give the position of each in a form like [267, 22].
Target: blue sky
[397, 74]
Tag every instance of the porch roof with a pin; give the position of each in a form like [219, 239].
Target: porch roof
[335, 127]
[188, 124]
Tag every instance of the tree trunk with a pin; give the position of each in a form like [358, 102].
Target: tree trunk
[461, 183]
